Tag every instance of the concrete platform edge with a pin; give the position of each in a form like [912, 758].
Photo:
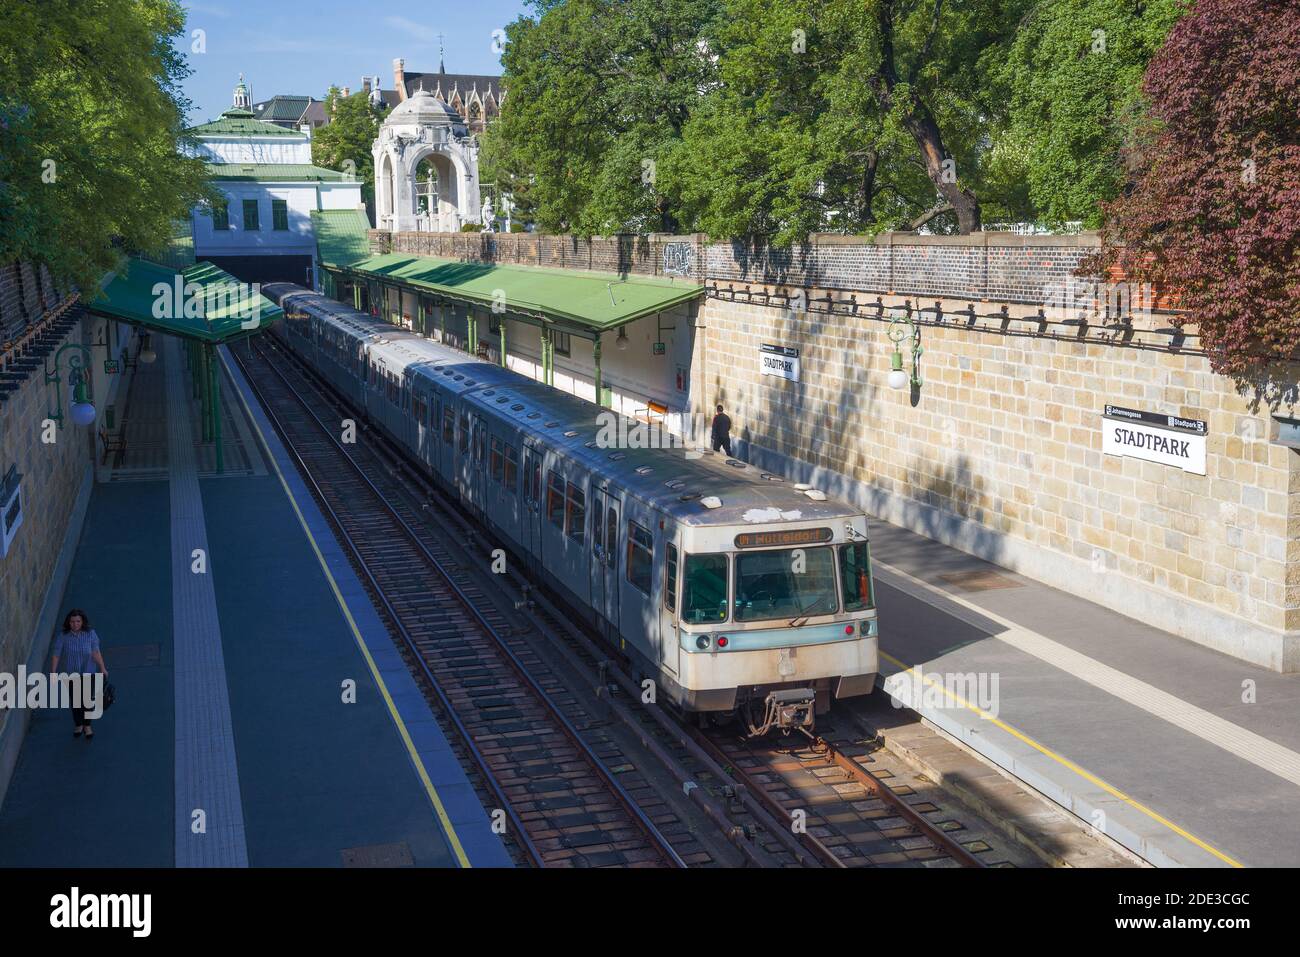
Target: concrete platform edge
[1148, 839]
[473, 830]
[15, 729]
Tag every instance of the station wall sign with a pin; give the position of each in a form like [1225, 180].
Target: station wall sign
[1153, 437]
[779, 361]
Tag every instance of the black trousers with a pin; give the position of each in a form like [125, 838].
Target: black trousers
[724, 443]
[79, 717]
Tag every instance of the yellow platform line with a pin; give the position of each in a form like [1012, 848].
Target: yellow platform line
[1063, 761]
[461, 857]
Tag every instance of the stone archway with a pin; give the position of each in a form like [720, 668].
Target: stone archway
[423, 135]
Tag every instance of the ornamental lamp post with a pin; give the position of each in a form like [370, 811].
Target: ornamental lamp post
[147, 355]
[82, 410]
[901, 328]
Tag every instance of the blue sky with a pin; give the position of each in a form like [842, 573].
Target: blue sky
[302, 47]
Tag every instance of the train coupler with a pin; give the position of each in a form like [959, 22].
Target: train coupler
[787, 709]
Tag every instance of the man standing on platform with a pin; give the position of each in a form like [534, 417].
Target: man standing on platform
[722, 432]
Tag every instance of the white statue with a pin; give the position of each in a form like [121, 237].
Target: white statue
[487, 213]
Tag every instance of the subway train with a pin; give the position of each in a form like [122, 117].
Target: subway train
[739, 594]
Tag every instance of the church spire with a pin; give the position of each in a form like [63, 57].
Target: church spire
[442, 68]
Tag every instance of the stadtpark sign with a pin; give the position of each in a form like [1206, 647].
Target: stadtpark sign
[1155, 437]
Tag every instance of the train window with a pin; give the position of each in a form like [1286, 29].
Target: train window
[670, 578]
[535, 494]
[611, 531]
[704, 589]
[464, 434]
[498, 460]
[478, 445]
[512, 469]
[575, 515]
[640, 557]
[785, 583]
[855, 577]
[555, 499]
[448, 425]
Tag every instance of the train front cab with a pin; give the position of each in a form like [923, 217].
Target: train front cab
[771, 622]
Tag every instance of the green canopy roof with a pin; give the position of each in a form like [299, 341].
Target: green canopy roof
[595, 300]
[342, 235]
[220, 309]
[277, 172]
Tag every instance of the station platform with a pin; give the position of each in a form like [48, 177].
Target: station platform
[1182, 755]
[233, 628]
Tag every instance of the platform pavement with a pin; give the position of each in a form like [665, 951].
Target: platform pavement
[317, 779]
[1133, 729]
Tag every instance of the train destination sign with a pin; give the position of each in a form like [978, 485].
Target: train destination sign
[779, 361]
[1165, 439]
[793, 536]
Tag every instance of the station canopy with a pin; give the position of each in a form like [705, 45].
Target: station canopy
[199, 302]
[593, 300]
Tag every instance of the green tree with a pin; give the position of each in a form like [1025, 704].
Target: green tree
[91, 128]
[344, 143]
[599, 93]
[1072, 81]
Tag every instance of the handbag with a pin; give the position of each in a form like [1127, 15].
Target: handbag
[110, 694]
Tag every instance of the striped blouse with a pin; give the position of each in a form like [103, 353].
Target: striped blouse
[74, 650]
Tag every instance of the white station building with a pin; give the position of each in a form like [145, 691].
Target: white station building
[263, 231]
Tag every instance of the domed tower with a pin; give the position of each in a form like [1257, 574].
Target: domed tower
[242, 101]
[426, 168]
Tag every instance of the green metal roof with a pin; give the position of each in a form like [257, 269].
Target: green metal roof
[141, 290]
[276, 173]
[342, 235]
[281, 107]
[595, 300]
[239, 122]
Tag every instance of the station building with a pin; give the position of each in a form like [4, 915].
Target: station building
[262, 230]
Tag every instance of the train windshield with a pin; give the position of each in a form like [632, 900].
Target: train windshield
[855, 577]
[704, 589]
[787, 583]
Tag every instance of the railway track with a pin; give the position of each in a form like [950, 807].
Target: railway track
[792, 801]
[564, 801]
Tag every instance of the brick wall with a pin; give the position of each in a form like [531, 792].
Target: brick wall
[642, 255]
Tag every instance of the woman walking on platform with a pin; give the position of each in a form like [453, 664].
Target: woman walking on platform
[78, 650]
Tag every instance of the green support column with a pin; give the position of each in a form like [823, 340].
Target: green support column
[216, 407]
[503, 343]
[548, 357]
[600, 385]
[356, 296]
[471, 332]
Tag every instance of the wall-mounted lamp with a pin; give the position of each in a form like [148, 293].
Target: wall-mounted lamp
[82, 410]
[621, 342]
[901, 328]
[147, 355]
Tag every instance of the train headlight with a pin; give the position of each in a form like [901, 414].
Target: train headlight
[702, 642]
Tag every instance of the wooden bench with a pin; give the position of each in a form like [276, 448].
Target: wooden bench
[114, 444]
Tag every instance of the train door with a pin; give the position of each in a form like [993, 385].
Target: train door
[530, 532]
[669, 639]
[604, 565]
[478, 477]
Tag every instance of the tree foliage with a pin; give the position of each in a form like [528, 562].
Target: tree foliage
[345, 142]
[785, 117]
[1213, 208]
[1071, 80]
[91, 124]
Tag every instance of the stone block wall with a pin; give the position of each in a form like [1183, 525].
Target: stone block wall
[53, 475]
[999, 452]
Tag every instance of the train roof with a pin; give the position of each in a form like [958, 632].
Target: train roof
[674, 480]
